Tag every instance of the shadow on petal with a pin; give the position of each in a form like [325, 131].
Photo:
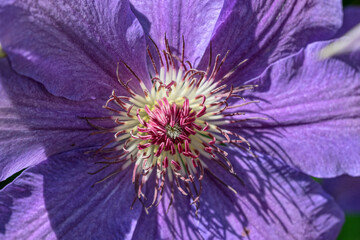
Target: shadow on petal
[277, 202]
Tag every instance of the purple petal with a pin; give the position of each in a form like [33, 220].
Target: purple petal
[313, 111]
[277, 202]
[179, 222]
[351, 19]
[73, 47]
[34, 124]
[349, 33]
[195, 20]
[345, 191]
[55, 200]
[264, 31]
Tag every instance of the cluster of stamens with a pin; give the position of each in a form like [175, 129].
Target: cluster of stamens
[169, 128]
[175, 127]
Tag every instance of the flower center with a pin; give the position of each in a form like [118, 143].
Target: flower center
[170, 124]
[177, 126]
[173, 132]
[169, 128]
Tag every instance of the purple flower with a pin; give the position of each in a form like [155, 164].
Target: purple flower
[179, 124]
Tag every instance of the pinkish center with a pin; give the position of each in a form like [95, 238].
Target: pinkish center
[169, 126]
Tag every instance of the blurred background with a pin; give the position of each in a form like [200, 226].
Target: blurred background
[345, 190]
[351, 2]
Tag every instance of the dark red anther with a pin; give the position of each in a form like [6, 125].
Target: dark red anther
[128, 111]
[202, 112]
[161, 147]
[212, 142]
[139, 118]
[203, 97]
[166, 162]
[189, 130]
[187, 149]
[143, 146]
[193, 162]
[176, 165]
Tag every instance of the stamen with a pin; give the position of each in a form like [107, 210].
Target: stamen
[174, 127]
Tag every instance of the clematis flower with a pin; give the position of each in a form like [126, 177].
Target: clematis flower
[133, 121]
[350, 35]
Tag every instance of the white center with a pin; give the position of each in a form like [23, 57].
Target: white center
[173, 132]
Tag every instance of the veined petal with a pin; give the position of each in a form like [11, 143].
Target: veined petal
[313, 111]
[195, 20]
[55, 200]
[34, 124]
[264, 31]
[277, 202]
[73, 47]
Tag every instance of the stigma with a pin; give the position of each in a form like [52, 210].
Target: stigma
[177, 127]
[173, 131]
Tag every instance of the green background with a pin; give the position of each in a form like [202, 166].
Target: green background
[351, 228]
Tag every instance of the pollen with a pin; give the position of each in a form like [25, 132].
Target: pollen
[175, 128]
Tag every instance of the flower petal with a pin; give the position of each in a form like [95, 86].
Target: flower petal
[73, 47]
[193, 19]
[351, 40]
[344, 190]
[351, 19]
[55, 200]
[277, 202]
[313, 111]
[34, 124]
[264, 31]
